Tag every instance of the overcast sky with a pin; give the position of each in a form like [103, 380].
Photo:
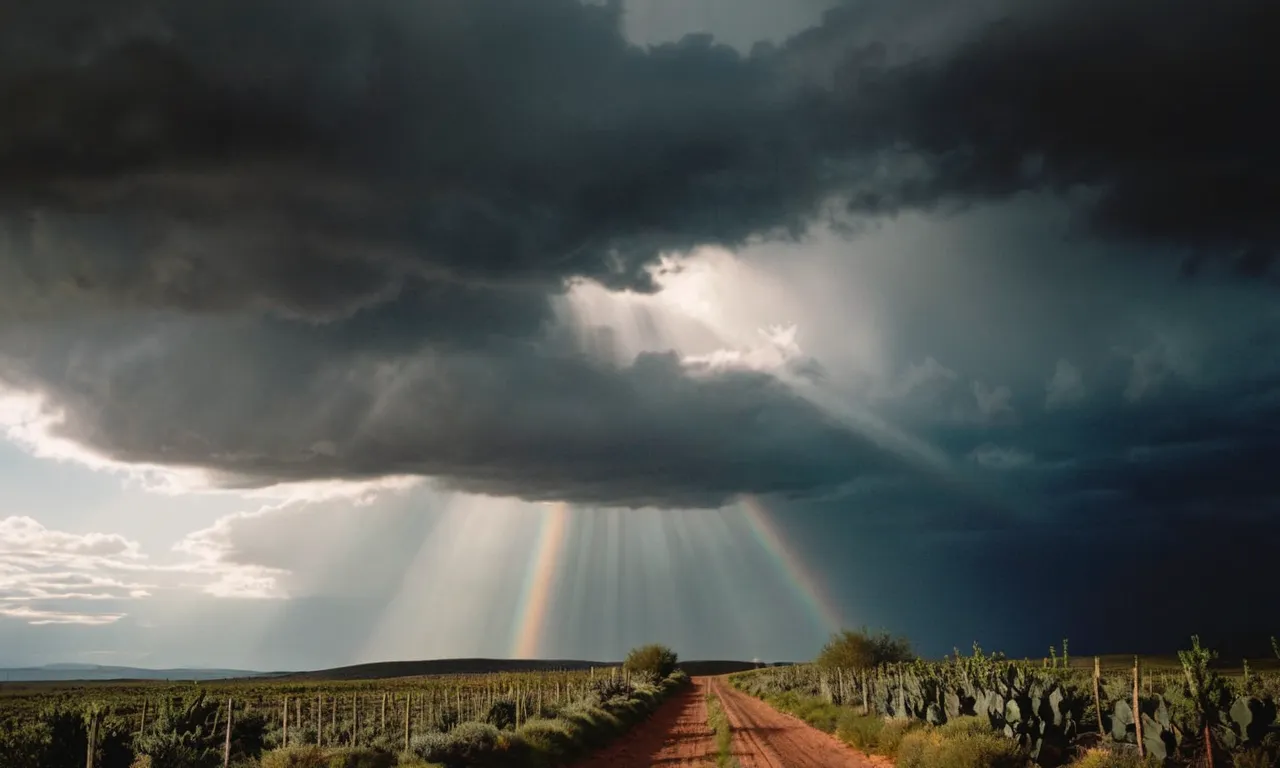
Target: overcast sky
[346, 331]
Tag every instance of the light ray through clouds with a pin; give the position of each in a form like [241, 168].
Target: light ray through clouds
[715, 309]
[535, 599]
[806, 585]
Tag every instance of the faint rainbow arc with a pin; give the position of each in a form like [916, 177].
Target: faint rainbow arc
[807, 586]
[535, 601]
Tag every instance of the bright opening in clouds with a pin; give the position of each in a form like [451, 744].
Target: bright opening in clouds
[477, 328]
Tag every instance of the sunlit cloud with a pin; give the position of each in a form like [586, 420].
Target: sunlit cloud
[42, 617]
[31, 422]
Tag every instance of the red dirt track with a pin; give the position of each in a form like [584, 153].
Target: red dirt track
[766, 738]
[678, 735]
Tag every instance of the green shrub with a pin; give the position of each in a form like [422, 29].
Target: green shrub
[966, 726]
[412, 761]
[1102, 757]
[595, 726]
[554, 739]
[360, 758]
[918, 749]
[296, 757]
[468, 744]
[891, 735]
[859, 649]
[819, 714]
[501, 714]
[859, 731]
[1256, 757]
[653, 661]
[960, 748]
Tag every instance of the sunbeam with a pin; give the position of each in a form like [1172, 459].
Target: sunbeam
[807, 587]
[535, 599]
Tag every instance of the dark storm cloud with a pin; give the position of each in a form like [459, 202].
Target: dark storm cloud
[289, 241]
[313, 159]
[1158, 106]
[264, 406]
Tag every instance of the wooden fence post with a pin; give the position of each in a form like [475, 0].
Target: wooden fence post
[408, 706]
[1097, 691]
[1137, 711]
[355, 718]
[284, 741]
[93, 738]
[226, 745]
[143, 727]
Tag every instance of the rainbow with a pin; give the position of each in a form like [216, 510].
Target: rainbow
[808, 587]
[535, 601]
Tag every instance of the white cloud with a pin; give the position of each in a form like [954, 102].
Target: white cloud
[1065, 388]
[1154, 366]
[998, 458]
[39, 616]
[213, 551]
[994, 403]
[29, 421]
[928, 378]
[42, 568]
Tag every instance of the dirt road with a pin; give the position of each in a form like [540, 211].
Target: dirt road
[678, 735]
[766, 738]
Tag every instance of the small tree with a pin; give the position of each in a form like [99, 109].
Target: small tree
[859, 649]
[1206, 689]
[653, 661]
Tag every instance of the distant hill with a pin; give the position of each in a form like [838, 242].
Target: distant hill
[88, 672]
[384, 669]
[483, 666]
[374, 671]
[713, 668]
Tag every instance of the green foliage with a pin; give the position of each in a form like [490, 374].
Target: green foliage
[891, 735]
[182, 735]
[1207, 691]
[934, 748]
[296, 757]
[1101, 757]
[719, 723]
[816, 712]
[363, 758]
[861, 650]
[859, 731]
[966, 726]
[653, 662]
[468, 744]
[1256, 757]
[501, 714]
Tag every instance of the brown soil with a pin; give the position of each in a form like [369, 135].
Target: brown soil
[766, 738]
[676, 735]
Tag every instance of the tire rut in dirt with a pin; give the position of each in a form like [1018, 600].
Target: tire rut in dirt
[677, 736]
[766, 738]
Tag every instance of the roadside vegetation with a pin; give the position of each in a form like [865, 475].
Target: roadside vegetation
[985, 710]
[537, 720]
[719, 723]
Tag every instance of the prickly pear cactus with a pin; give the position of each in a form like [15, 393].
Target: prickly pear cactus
[1121, 721]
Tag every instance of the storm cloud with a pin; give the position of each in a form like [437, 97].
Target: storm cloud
[288, 242]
